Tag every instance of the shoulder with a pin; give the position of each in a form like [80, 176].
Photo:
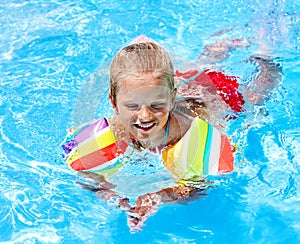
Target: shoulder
[180, 123]
[117, 128]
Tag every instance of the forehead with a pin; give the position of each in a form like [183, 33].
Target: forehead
[145, 84]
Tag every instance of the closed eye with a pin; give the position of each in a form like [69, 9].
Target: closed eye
[132, 106]
[158, 105]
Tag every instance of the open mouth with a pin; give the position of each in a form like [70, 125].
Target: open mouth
[144, 127]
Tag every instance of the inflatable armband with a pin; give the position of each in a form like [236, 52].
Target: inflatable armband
[92, 146]
[203, 150]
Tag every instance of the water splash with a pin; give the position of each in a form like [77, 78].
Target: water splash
[274, 26]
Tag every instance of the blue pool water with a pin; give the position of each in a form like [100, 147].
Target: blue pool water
[48, 51]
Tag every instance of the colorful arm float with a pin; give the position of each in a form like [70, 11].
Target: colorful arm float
[92, 146]
[202, 151]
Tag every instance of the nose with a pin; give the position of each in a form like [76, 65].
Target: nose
[145, 113]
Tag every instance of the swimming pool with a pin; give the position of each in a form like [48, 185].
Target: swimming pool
[49, 49]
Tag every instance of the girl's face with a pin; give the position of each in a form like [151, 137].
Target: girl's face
[143, 104]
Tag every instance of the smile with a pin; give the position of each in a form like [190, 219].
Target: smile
[145, 126]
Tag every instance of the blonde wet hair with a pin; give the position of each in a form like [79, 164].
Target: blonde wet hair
[140, 58]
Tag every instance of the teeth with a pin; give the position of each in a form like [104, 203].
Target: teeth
[144, 126]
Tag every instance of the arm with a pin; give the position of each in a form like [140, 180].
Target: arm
[148, 204]
[145, 206]
[104, 191]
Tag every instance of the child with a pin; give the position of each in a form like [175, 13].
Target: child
[149, 116]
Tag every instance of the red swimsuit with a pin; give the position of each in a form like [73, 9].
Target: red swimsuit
[226, 86]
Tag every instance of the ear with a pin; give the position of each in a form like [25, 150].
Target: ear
[113, 103]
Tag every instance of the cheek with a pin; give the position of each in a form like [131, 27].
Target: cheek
[163, 113]
[125, 115]
[162, 116]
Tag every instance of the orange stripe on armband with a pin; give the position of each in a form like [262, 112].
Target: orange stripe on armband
[99, 157]
[226, 160]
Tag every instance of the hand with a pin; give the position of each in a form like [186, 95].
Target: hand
[148, 204]
[182, 192]
[145, 206]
